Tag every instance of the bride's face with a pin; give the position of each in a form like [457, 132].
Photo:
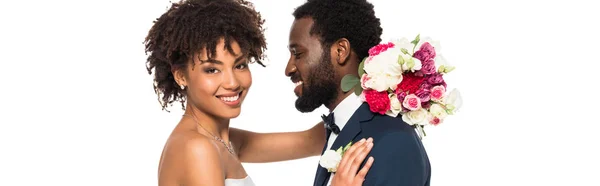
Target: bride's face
[218, 86]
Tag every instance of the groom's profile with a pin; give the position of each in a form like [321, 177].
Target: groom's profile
[328, 39]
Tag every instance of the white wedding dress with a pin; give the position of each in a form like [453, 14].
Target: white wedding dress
[239, 182]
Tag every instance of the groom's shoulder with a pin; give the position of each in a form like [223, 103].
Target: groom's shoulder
[383, 124]
[392, 136]
[380, 125]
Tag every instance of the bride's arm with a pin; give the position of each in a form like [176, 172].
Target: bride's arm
[269, 147]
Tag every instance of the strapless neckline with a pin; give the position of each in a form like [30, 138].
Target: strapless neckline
[247, 181]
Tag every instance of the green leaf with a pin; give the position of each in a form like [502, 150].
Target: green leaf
[405, 51]
[347, 146]
[358, 89]
[340, 150]
[349, 81]
[361, 68]
[417, 39]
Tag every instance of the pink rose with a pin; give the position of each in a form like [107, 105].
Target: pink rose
[435, 79]
[426, 105]
[428, 62]
[435, 121]
[437, 92]
[423, 94]
[425, 85]
[426, 52]
[428, 68]
[400, 94]
[363, 81]
[412, 102]
[380, 48]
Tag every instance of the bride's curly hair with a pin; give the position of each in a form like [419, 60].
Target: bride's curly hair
[192, 25]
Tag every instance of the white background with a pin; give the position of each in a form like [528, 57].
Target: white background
[78, 106]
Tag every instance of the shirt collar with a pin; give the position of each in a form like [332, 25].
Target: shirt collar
[346, 109]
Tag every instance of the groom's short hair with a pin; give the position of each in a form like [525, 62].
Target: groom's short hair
[354, 20]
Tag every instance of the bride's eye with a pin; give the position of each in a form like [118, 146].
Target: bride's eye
[242, 66]
[211, 70]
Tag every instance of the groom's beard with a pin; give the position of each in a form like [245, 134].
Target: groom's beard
[320, 88]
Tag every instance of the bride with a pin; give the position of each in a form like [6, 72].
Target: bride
[199, 54]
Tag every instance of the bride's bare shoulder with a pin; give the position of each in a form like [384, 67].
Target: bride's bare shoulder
[190, 144]
[187, 157]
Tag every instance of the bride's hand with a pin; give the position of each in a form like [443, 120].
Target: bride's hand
[346, 174]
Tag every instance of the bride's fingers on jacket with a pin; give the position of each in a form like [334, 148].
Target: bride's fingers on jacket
[360, 177]
[361, 155]
[351, 157]
[346, 158]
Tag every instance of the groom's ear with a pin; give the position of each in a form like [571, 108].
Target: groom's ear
[341, 51]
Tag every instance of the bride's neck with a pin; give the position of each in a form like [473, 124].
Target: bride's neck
[216, 126]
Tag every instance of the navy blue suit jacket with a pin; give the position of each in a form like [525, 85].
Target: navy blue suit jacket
[400, 158]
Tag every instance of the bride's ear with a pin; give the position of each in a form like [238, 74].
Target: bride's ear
[340, 51]
[179, 76]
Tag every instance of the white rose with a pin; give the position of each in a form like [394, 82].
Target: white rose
[384, 62]
[438, 111]
[383, 70]
[374, 66]
[382, 81]
[330, 160]
[377, 82]
[415, 117]
[390, 60]
[393, 81]
[392, 70]
[395, 106]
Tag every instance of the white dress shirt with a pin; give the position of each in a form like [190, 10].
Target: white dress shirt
[342, 113]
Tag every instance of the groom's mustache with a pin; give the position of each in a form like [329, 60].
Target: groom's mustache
[295, 77]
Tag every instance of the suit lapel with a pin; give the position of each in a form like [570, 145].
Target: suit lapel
[353, 128]
[347, 134]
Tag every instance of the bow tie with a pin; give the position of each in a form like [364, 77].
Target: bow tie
[330, 123]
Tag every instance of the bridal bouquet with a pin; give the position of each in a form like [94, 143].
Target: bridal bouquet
[396, 79]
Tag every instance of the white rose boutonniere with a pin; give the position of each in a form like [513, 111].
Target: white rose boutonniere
[331, 159]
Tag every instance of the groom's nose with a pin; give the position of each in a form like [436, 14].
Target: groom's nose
[290, 68]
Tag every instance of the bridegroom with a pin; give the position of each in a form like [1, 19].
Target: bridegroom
[328, 40]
